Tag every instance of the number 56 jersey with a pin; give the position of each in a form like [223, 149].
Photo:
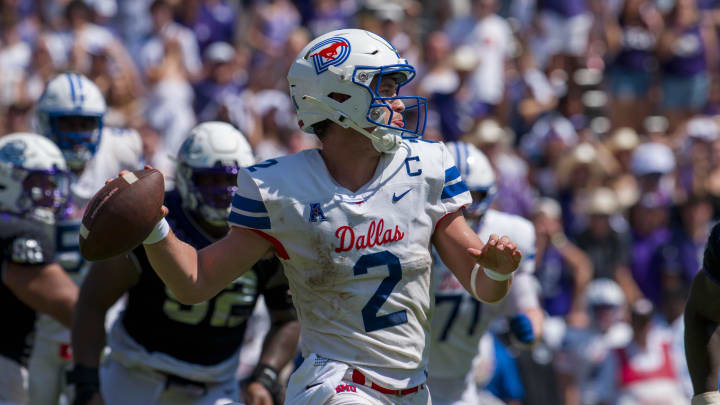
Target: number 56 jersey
[358, 262]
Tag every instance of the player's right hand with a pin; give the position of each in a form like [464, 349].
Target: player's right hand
[164, 209]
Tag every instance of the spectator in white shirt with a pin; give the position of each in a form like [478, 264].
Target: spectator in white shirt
[168, 33]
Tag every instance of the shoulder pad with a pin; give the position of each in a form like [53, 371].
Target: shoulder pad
[26, 251]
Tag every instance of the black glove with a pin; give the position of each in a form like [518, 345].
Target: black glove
[86, 381]
[268, 377]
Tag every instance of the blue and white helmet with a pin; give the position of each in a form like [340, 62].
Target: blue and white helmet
[68, 96]
[337, 77]
[33, 176]
[478, 175]
[208, 164]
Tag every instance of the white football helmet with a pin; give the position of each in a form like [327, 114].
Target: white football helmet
[478, 175]
[337, 77]
[70, 112]
[208, 164]
[33, 176]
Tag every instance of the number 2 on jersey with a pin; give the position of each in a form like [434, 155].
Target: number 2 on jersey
[371, 319]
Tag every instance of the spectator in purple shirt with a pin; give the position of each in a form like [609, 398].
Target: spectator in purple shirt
[679, 260]
[650, 233]
[687, 51]
[563, 270]
[631, 40]
[224, 77]
[211, 21]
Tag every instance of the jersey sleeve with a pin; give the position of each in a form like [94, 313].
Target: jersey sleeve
[33, 247]
[248, 208]
[249, 211]
[454, 193]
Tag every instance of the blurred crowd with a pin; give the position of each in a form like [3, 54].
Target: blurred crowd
[601, 119]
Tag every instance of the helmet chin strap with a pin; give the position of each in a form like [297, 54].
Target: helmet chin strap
[384, 140]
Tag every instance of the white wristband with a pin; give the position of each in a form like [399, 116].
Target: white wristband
[473, 279]
[497, 276]
[707, 398]
[161, 230]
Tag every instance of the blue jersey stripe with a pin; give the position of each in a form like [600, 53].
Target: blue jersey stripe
[453, 190]
[247, 204]
[72, 87]
[250, 222]
[80, 88]
[451, 174]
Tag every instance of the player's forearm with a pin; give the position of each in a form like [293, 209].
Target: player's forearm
[88, 334]
[59, 305]
[45, 289]
[176, 263]
[702, 341]
[489, 290]
[280, 344]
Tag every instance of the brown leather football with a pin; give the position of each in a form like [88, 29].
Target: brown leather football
[122, 214]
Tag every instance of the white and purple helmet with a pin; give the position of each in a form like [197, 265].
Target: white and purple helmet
[208, 164]
[33, 176]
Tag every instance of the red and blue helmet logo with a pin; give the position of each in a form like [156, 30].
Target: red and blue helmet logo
[330, 52]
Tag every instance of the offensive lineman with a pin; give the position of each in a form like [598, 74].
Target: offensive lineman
[352, 223]
[459, 321]
[163, 352]
[70, 112]
[33, 188]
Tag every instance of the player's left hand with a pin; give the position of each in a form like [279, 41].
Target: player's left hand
[256, 394]
[499, 253]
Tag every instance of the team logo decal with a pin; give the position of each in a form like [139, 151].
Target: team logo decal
[330, 52]
[13, 152]
[316, 213]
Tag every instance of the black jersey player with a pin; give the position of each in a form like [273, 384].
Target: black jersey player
[33, 189]
[162, 350]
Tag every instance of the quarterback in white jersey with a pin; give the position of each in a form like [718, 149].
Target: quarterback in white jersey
[352, 224]
[459, 321]
[70, 113]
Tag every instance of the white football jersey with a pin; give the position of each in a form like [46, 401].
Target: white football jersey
[358, 263]
[119, 149]
[459, 320]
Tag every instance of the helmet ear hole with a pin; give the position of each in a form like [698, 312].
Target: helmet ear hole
[339, 97]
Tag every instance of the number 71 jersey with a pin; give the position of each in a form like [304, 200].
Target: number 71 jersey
[358, 262]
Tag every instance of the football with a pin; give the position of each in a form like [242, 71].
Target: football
[122, 214]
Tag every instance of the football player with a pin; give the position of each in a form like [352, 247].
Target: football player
[70, 113]
[458, 320]
[702, 318]
[164, 352]
[352, 223]
[34, 186]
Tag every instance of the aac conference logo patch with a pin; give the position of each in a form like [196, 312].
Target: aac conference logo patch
[330, 52]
